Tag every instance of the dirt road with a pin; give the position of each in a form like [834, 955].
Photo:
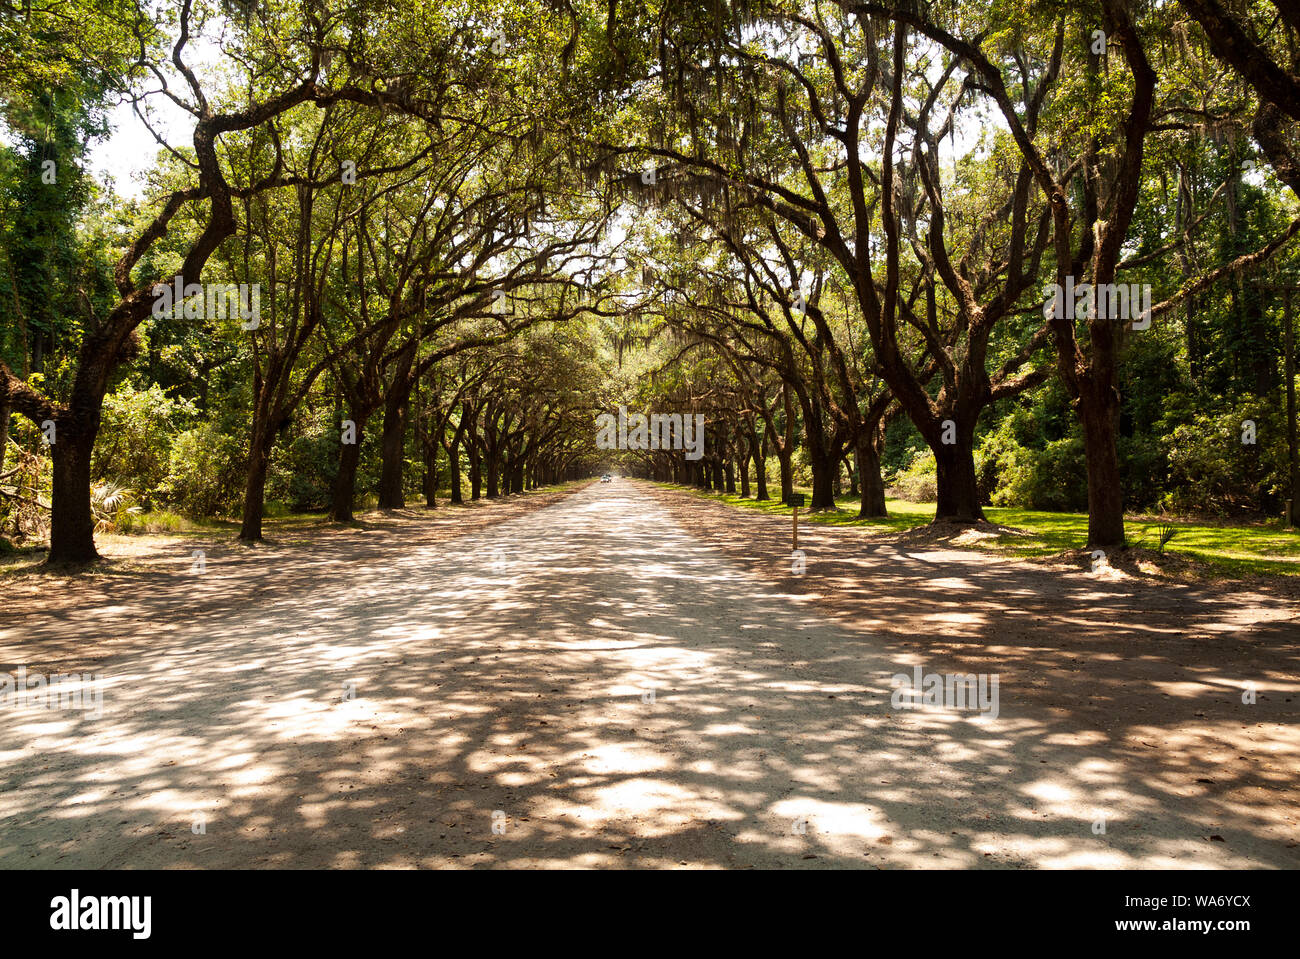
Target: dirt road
[587, 684]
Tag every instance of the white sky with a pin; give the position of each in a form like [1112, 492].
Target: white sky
[130, 150]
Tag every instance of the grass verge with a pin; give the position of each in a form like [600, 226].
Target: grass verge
[1232, 549]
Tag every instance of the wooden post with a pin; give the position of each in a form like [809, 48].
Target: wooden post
[796, 500]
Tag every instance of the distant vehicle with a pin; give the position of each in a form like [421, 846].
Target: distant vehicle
[606, 478]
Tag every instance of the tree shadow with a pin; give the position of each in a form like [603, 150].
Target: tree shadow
[605, 687]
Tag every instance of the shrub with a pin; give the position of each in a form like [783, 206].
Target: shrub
[918, 483]
[1144, 467]
[1034, 459]
[133, 448]
[112, 505]
[1052, 478]
[25, 485]
[154, 521]
[1213, 471]
[303, 469]
[206, 475]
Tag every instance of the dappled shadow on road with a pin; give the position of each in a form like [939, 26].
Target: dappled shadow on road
[156, 583]
[1152, 671]
[606, 689]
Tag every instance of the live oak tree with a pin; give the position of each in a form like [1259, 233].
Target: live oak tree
[293, 75]
[820, 153]
[317, 212]
[852, 212]
[1092, 194]
[463, 267]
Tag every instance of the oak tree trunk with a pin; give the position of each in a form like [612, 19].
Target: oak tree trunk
[1105, 487]
[345, 483]
[259, 458]
[958, 493]
[72, 524]
[872, 484]
[787, 475]
[393, 448]
[453, 468]
[760, 467]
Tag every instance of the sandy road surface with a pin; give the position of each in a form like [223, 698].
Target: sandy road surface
[588, 684]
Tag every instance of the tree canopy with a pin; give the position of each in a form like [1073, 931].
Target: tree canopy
[1030, 254]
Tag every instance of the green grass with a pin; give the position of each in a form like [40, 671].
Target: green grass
[1231, 549]
[156, 521]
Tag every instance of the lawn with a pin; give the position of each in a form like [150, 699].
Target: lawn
[1233, 549]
